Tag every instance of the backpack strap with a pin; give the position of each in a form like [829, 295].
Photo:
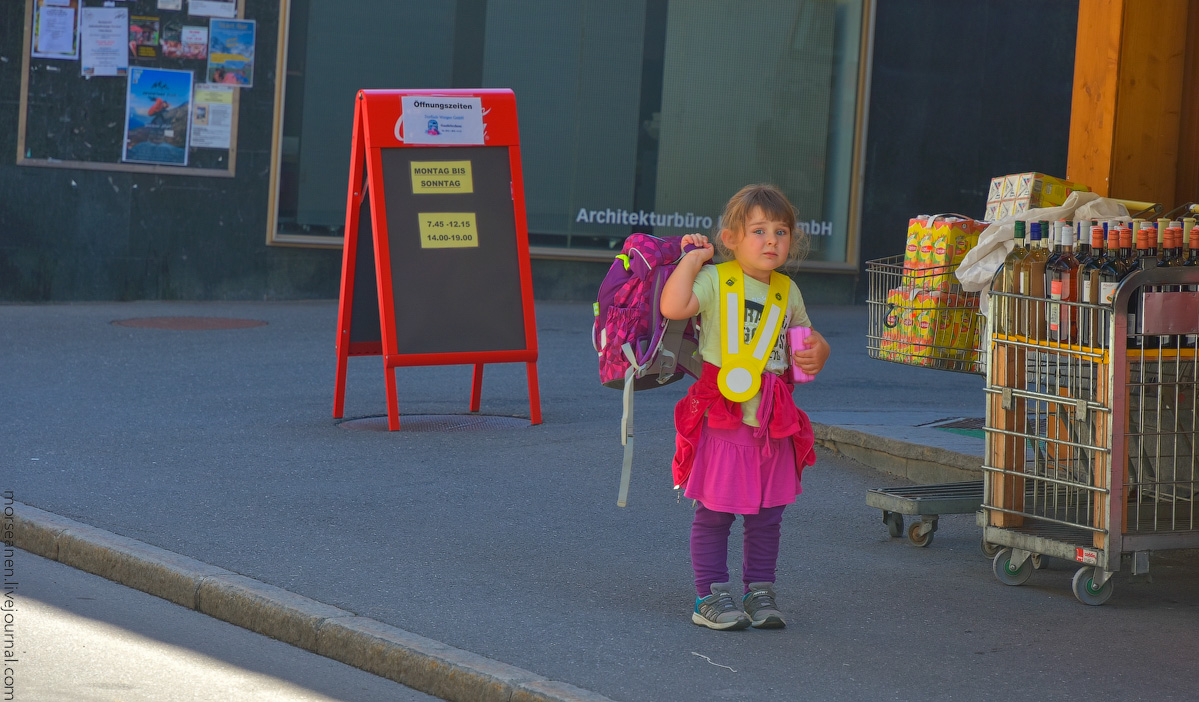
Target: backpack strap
[626, 427]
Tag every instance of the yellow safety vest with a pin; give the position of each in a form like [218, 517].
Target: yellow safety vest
[741, 365]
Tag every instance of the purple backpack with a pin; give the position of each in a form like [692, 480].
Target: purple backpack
[638, 348]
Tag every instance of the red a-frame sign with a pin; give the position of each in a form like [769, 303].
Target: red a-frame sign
[435, 269]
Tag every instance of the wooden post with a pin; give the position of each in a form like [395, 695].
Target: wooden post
[1127, 111]
[1007, 452]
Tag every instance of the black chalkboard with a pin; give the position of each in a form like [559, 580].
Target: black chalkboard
[454, 300]
[78, 122]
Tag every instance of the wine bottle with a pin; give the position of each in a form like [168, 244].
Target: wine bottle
[1131, 264]
[1089, 287]
[1011, 282]
[1191, 341]
[1108, 274]
[1032, 285]
[1062, 275]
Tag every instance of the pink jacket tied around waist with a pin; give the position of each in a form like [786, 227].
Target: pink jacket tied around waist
[777, 414]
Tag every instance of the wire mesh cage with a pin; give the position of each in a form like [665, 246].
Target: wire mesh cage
[922, 317]
[1091, 428]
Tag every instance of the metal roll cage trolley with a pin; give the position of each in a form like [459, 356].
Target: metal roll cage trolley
[1090, 439]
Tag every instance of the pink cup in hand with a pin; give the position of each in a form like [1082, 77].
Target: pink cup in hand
[796, 339]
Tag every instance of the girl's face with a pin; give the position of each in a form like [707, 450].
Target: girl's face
[761, 246]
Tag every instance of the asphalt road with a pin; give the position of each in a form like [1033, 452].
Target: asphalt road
[80, 638]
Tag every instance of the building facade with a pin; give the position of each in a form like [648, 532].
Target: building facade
[639, 115]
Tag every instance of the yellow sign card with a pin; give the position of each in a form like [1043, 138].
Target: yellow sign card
[448, 230]
[433, 177]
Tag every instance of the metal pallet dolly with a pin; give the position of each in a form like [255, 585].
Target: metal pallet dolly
[926, 501]
[1091, 439]
[923, 318]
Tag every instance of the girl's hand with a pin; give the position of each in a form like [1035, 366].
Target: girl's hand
[704, 250]
[811, 358]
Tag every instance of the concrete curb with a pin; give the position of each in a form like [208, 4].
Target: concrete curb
[422, 664]
[918, 463]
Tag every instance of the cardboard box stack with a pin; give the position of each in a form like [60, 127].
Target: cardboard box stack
[1020, 192]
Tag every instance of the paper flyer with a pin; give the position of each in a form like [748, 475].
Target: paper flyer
[170, 4]
[212, 116]
[231, 52]
[102, 32]
[182, 41]
[157, 107]
[430, 119]
[143, 37]
[212, 8]
[55, 29]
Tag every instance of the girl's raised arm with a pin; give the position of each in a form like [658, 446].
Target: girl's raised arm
[678, 301]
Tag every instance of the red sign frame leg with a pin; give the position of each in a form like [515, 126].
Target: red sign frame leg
[356, 194]
[476, 388]
[534, 394]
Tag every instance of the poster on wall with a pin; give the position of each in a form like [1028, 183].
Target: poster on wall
[182, 41]
[143, 37]
[212, 8]
[102, 33]
[170, 4]
[231, 52]
[157, 109]
[212, 116]
[55, 29]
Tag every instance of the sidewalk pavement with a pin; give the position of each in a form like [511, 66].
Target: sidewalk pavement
[204, 466]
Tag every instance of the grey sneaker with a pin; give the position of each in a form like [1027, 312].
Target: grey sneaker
[719, 610]
[759, 605]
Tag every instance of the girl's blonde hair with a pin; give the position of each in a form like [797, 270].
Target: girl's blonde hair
[775, 206]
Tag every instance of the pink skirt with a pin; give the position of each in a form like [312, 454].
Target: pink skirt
[736, 472]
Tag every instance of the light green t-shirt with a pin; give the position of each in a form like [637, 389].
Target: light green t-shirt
[706, 289]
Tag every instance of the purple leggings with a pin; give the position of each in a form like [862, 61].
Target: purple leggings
[710, 547]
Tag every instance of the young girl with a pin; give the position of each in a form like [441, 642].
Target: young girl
[742, 443]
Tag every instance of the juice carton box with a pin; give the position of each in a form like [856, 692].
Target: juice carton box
[995, 192]
[1020, 192]
[911, 253]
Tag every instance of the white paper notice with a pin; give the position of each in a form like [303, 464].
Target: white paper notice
[104, 37]
[170, 4]
[213, 8]
[212, 116]
[54, 32]
[429, 119]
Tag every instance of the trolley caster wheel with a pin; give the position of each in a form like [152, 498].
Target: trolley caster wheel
[989, 549]
[1008, 574]
[917, 538]
[1085, 590]
[894, 522]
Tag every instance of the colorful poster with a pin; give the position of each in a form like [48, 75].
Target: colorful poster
[157, 110]
[143, 37]
[231, 52]
[102, 32]
[55, 29]
[180, 41]
[212, 8]
[212, 116]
